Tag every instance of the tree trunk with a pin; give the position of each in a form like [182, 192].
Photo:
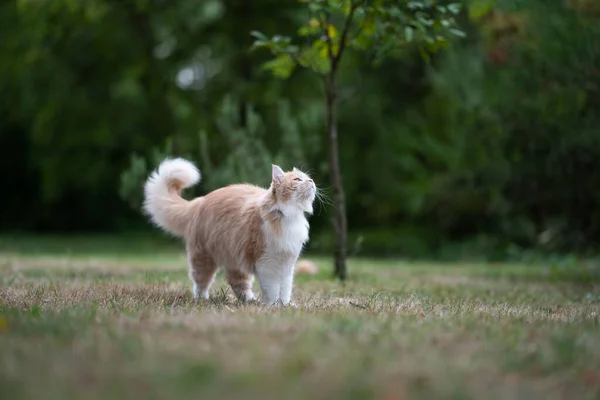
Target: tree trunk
[339, 220]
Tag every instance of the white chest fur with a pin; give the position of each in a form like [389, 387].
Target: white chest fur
[289, 237]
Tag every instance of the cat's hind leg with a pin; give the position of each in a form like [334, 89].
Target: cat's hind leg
[241, 283]
[202, 271]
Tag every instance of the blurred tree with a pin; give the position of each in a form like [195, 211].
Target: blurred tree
[331, 26]
[552, 74]
[87, 84]
[493, 142]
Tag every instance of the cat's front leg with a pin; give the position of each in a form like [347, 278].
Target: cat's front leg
[286, 286]
[269, 278]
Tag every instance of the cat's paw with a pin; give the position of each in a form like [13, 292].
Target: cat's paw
[248, 297]
[271, 304]
[281, 304]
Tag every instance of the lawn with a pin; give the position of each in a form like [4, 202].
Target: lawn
[100, 318]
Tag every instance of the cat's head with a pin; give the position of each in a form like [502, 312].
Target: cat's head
[293, 189]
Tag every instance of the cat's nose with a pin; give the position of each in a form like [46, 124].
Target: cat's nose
[310, 180]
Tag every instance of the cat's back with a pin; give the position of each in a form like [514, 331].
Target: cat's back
[228, 222]
[233, 198]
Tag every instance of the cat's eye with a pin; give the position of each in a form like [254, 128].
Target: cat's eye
[297, 179]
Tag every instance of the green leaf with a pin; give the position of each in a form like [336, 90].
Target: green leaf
[422, 18]
[395, 12]
[368, 26]
[332, 31]
[282, 39]
[322, 49]
[457, 32]
[479, 8]
[281, 67]
[416, 5]
[408, 34]
[259, 44]
[304, 31]
[259, 35]
[454, 8]
[315, 7]
[345, 7]
[312, 58]
[362, 42]
[313, 27]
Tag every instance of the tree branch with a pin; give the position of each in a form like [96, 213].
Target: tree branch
[347, 24]
[325, 29]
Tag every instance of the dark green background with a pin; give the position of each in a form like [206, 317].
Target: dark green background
[495, 145]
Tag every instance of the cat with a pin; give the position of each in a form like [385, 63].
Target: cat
[248, 230]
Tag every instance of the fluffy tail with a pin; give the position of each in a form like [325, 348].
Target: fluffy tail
[162, 199]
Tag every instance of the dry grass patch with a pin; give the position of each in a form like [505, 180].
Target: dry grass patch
[130, 329]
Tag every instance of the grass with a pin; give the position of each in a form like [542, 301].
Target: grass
[113, 318]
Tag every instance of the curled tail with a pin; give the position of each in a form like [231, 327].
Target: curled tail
[162, 195]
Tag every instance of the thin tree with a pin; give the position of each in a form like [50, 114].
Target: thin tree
[379, 27]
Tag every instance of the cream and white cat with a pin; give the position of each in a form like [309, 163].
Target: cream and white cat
[248, 230]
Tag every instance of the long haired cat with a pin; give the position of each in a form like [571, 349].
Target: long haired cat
[248, 230]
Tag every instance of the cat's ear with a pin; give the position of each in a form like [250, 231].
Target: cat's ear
[277, 173]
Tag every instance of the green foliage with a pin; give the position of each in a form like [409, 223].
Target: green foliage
[480, 8]
[492, 142]
[383, 26]
[88, 84]
[493, 139]
[134, 177]
[248, 157]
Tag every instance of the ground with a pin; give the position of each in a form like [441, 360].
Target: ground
[115, 319]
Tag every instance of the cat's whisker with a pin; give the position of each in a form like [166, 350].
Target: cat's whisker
[324, 188]
[322, 192]
[323, 199]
